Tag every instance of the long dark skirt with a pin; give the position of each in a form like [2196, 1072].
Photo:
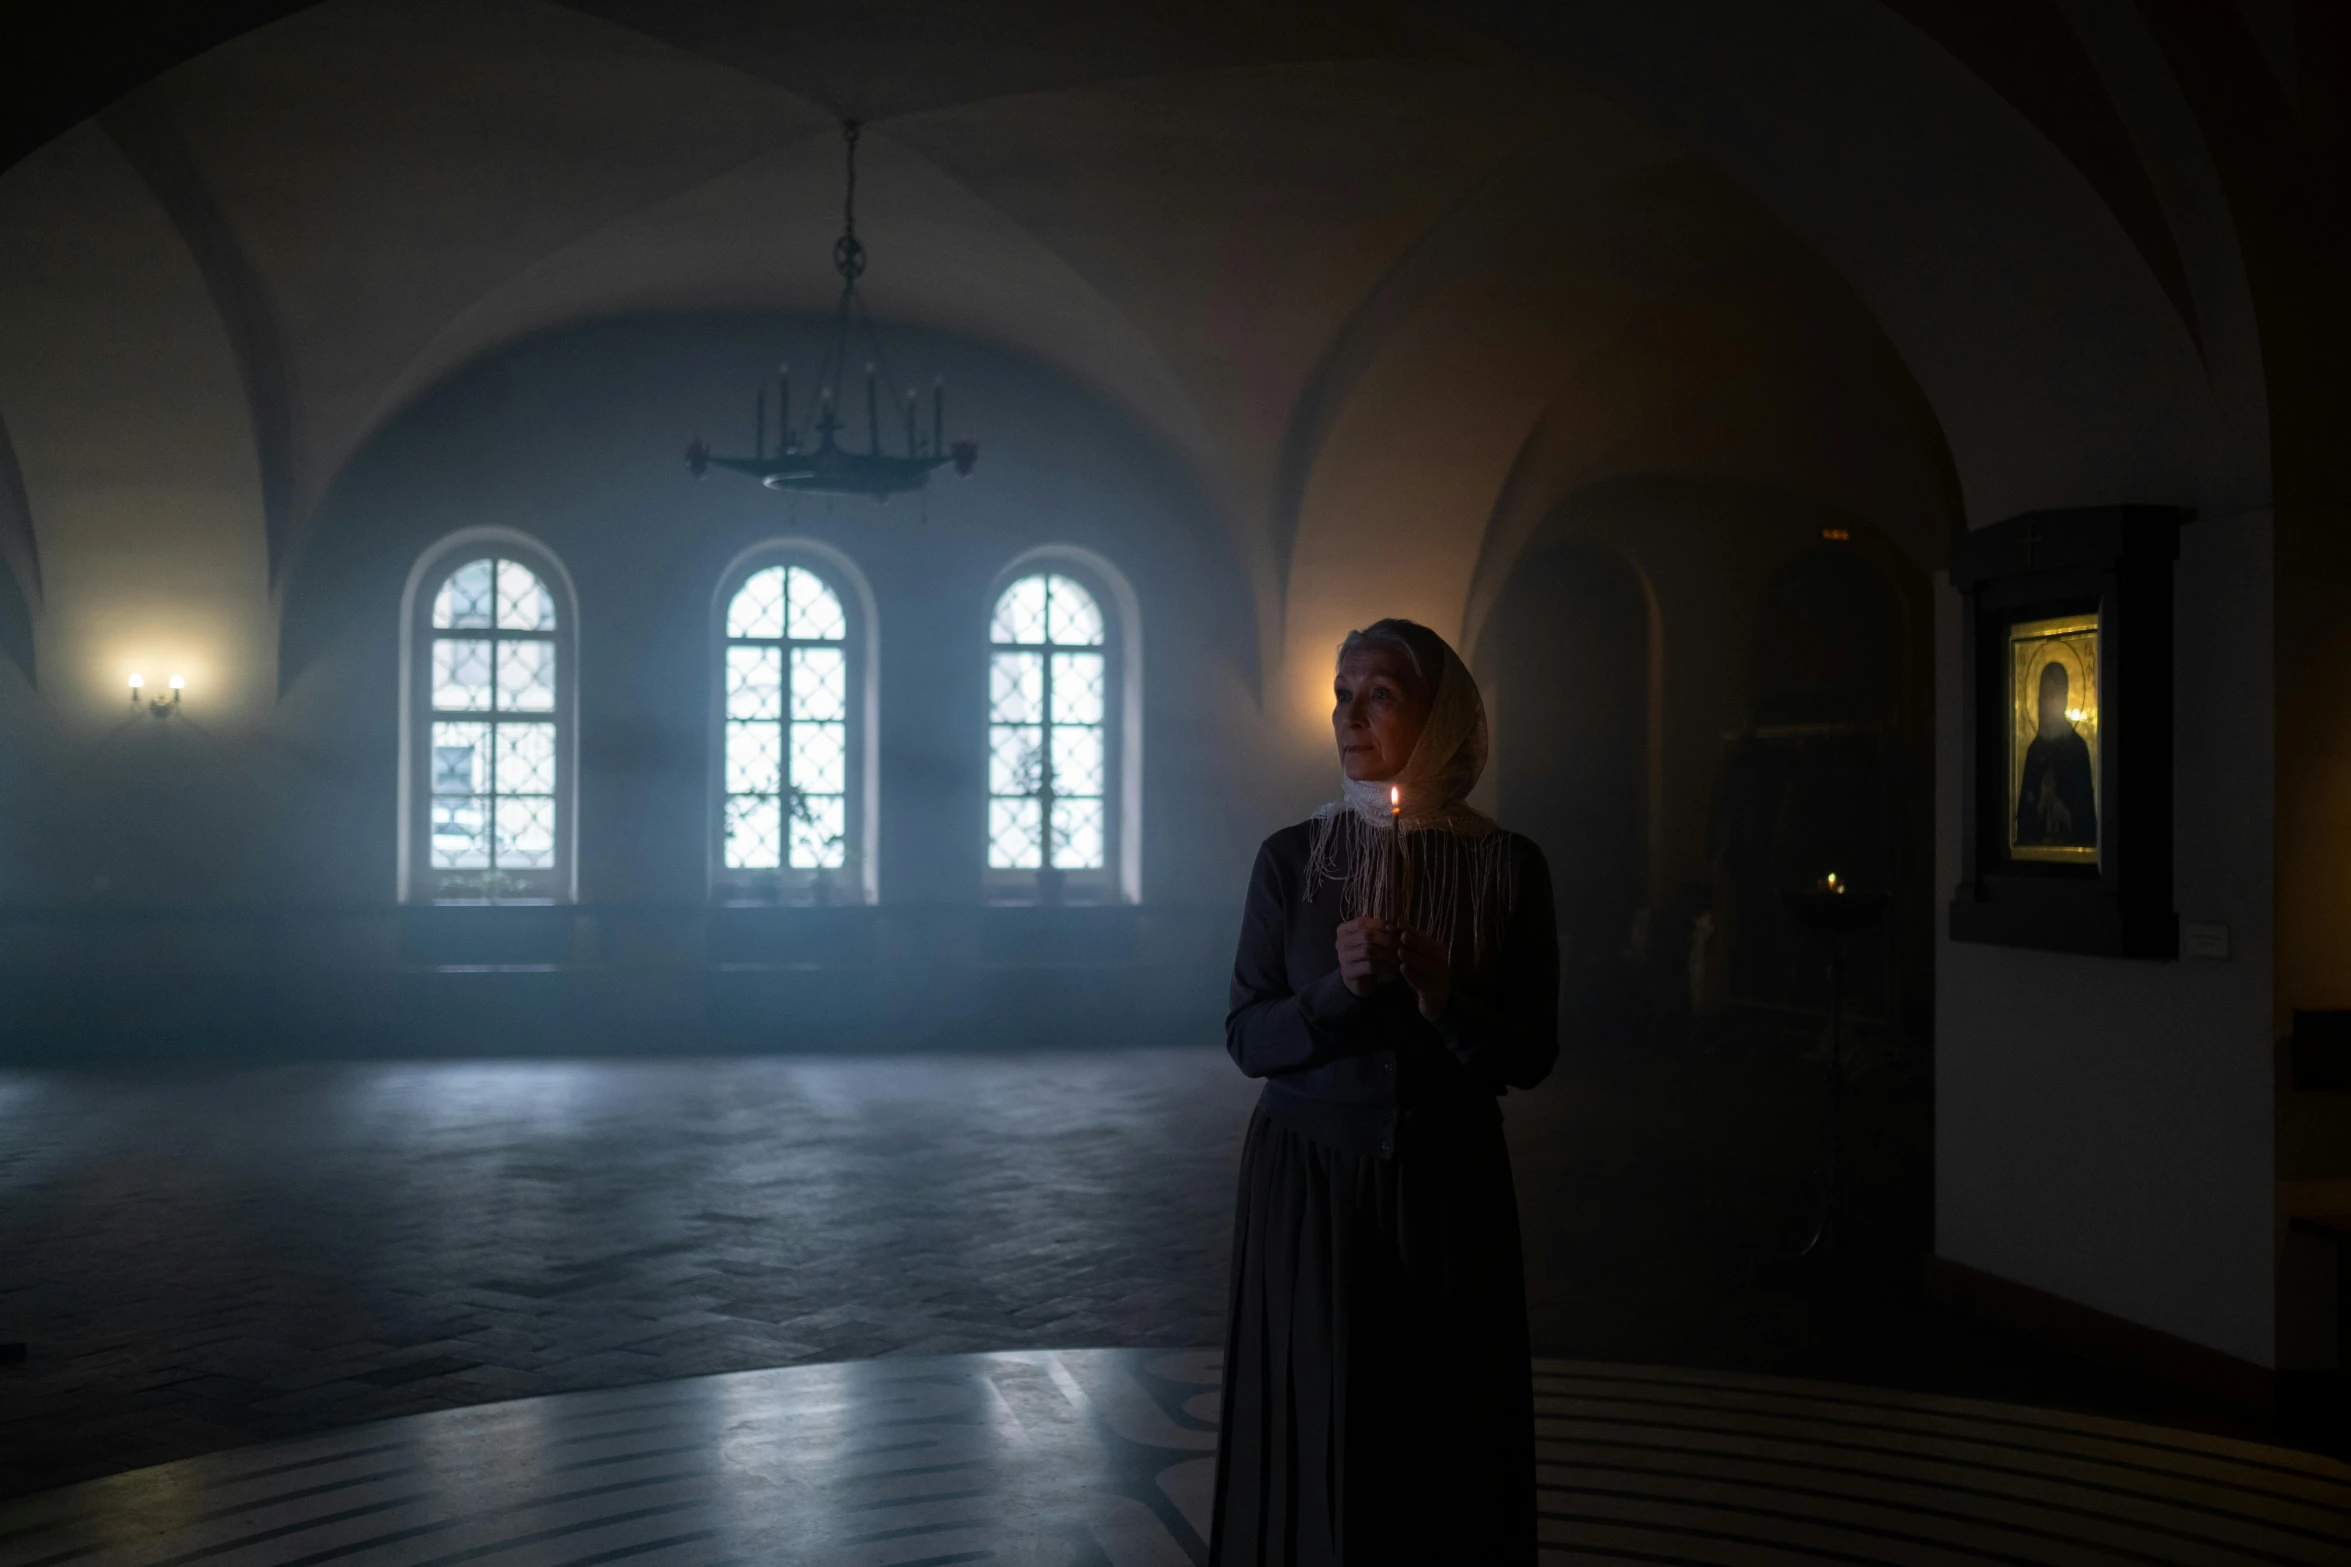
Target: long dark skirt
[1378, 1405]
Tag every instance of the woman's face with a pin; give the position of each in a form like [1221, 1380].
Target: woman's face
[1380, 708]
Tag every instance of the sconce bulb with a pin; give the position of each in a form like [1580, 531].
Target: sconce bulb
[179, 682]
[138, 681]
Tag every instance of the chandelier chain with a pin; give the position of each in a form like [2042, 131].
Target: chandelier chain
[848, 253]
[809, 457]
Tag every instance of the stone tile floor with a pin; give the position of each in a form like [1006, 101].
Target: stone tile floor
[206, 1257]
[203, 1258]
[1104, 1458]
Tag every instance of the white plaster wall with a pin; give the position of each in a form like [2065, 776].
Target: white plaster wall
[123, 398]
[122, 395]
[2103, 1129]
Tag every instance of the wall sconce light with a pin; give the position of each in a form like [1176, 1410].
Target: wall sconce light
[159, 707]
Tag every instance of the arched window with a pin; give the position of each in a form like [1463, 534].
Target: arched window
[487, 739]
[794, 813]
[1061, 734]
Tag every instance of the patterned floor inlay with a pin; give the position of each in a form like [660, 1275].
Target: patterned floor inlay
[1100, 1458]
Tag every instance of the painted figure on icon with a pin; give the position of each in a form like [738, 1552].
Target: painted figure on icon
[2054, 770]
[2056, 803]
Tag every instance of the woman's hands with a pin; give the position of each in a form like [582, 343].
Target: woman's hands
[1368, 953]
[1428, 968]
[1373, 950]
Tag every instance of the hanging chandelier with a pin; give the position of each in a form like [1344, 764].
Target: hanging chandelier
[810, 460]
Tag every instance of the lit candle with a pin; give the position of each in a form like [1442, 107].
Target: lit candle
[1403, 855]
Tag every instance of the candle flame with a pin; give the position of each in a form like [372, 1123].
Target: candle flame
[1395, 798]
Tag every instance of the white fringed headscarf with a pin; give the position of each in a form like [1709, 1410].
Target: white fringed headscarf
[1458, 852]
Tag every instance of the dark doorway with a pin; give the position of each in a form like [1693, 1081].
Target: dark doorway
[1824, 780]
[1568, 652]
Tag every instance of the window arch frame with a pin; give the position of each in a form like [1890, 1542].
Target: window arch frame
[862, 644]
[416, 881]
[1120, 880]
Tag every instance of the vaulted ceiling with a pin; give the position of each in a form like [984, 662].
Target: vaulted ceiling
[1347, 260]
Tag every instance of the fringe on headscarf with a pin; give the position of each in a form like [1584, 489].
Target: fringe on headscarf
[1460, 858]
[1453, 874]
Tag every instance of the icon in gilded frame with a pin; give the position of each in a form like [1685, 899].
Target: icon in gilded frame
[2054, 782]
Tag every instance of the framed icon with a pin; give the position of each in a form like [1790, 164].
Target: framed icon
[2053, 739]
[2065, 732]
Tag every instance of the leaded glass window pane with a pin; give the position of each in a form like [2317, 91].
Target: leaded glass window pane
[1048, 737]
[755, 683]
[820, 685]
[754, 832]
[526, 677]
[1071, 617]
[1020, 613]
[1016, 688]
[460, 832]
[526, 759]
[817, 832]
[820, 758]
[461, 675]
[1016, 755]
[755, 759]
[1077, 833]
[787, 735]
[461, 758]
[1016, 835]
[524, 603]
[1077, 760]
[463, 604]
[757, 609]
[1077, 688]
[815, 610]
[525, 838]
[493, 780]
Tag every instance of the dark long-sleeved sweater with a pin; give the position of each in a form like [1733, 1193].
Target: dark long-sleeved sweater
[1369, 1073]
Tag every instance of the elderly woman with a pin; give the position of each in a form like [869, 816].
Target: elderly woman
[1398, 971]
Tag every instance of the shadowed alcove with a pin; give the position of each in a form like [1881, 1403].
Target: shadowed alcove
[1567, 655]
[1826, 778]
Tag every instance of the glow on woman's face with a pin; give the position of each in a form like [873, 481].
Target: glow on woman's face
[1381, 704]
